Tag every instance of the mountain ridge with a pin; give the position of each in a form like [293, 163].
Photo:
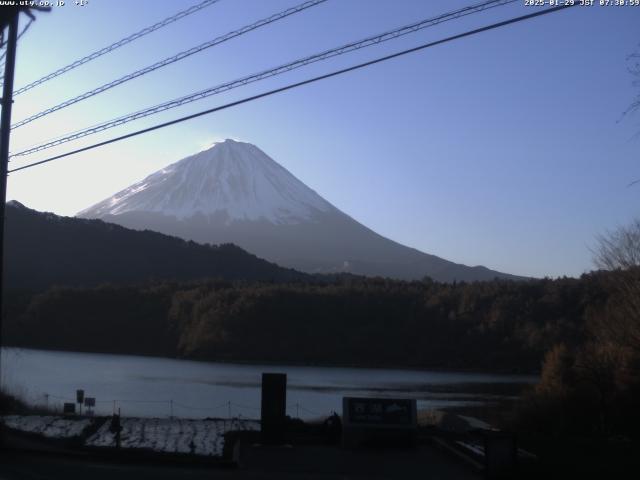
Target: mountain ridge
[43, 249]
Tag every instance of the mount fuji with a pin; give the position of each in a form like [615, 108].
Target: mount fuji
[235, 193]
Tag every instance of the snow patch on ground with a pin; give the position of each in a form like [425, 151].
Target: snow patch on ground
[196, 437]
[476, 422]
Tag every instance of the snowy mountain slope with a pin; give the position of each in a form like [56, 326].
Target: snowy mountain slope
[236, 179]
[235, 193]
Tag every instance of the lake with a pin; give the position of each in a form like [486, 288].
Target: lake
[162, 387]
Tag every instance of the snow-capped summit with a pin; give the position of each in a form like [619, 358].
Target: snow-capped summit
[235, 193]
[234, 179]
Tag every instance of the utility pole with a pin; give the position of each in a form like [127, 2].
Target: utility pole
[5, 132]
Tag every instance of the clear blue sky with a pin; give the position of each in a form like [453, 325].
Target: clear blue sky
[505, 149]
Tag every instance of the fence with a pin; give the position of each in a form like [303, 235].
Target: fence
[171, 408]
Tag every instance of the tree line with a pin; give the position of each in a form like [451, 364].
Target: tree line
[497, 326]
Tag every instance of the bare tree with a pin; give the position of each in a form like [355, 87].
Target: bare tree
[633, 66]
[633, 61]
[619, 249]
[619, 252]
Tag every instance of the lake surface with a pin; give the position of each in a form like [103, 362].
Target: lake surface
[161, 387]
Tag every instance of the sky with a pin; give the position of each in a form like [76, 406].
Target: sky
[507, 149]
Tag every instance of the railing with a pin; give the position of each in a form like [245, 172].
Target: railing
[227, 409]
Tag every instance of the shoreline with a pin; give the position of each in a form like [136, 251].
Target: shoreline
[268, 363]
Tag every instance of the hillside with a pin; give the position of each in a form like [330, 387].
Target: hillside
[43, 249]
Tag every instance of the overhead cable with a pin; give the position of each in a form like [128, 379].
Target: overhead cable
[299, 84]
[169, 60]
[367, 42]
[124, 41]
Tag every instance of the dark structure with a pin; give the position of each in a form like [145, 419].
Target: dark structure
[500, 454]
[274, 406]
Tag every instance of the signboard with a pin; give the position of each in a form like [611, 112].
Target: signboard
[380, 411]
[89, 402]
[69, 409]
[379, 422]
[79, 396]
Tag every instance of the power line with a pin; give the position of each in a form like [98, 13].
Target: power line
[110, 48]
[272, 72]
[369, 41]
[299, 84]
[174, 58]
